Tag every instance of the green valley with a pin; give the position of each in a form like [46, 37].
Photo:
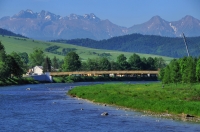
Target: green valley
[27, 45]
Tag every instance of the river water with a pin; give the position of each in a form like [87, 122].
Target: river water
[46, 107]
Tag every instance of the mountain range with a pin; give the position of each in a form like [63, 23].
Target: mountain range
[48, 26]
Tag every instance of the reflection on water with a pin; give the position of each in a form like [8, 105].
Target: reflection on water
[45, 107]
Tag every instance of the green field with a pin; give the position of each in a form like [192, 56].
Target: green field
[172, 99]
[27, 45]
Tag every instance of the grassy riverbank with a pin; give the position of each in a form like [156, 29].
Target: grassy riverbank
[68, 79]
[17, 81]
[180, 99]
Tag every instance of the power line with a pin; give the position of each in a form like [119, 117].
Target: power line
[185, 44]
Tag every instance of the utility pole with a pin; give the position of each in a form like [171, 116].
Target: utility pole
[185, 44]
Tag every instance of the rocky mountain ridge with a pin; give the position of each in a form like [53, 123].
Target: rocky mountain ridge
[47, 26]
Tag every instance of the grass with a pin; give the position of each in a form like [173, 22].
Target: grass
[27, 45]
[173, 99]
[67, 79]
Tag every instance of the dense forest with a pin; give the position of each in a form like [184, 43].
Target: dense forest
[183, 70]
[9, 33]
[137, 43]
[72, 62]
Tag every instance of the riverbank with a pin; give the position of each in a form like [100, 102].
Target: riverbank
[17, 81]
[179, 102]
[68, 79]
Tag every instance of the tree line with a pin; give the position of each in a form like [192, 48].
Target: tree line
[17, 64]
[183, 70]
[53, 49]
[72, 62]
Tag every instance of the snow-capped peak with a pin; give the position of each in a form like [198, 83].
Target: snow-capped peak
[91, 16]
[29, 11]
[48, 17]
[173, 27]
[25, 14]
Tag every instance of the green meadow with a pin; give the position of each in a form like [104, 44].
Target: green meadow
[172, 99]
[27, 45]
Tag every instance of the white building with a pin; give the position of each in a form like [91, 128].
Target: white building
[38, 70]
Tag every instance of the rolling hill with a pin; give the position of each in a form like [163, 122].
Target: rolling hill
[147, 44]
[27, 45]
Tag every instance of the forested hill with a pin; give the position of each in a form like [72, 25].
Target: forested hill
[9, 33]
[149, 44]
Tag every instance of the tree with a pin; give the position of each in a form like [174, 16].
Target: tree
[161, 74]
[4, 71]
[55, 63]
[36, 58]
[198, 70]
[183, 66]
[104, 64]
[47, 65]
[60, 63]
[159, 63]
[190, 70]
[114, 66]
[135, 62]
[24, 57]
[166, 78]
[84, 66]
[2, 52]
[123, 64]
[144, 65]
[15, 65]
[175, 74]
[11, 65]
[151, 63]
[71, 62]
[92, 65]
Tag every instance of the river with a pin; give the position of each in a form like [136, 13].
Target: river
[46, 107]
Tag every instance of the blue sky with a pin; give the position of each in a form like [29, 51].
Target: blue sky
[121, 12]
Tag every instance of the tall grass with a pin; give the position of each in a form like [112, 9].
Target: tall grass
[175, 99]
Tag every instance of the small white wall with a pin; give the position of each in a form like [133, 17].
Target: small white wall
[37, 70]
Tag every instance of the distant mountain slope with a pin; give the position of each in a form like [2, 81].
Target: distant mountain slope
[9, 33]
[148, 44]
[47, 26]
[189, 25]
[155, 26]
[158, 26]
